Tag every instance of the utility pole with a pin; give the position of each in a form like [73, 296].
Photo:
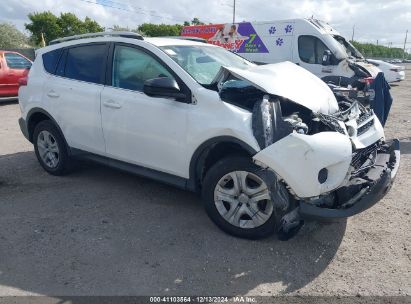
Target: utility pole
[405, 43]
[353, 30]
[234, 12]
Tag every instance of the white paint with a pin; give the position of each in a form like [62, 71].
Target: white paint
[298, 158]
[163, 134]
[290, 81]
[386, 68]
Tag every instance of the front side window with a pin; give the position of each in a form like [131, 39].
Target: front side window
[86, 63]
[204, 62]
[15, 61]
[131, 67]
[311, 49]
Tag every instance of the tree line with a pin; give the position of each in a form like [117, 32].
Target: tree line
[45, 26]
[379, 51]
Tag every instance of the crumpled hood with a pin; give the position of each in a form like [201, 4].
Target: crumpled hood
[290, 81]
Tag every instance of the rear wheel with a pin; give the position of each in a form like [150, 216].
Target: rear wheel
[50, 148]
[237, 198]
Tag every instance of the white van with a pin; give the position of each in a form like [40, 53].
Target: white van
[310, 43]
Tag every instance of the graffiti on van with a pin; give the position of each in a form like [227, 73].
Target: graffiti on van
[237, 37]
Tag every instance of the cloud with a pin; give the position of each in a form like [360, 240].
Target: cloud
[385, 21]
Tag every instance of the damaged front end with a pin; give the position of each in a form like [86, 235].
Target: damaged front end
[334, 161]
[373, 171]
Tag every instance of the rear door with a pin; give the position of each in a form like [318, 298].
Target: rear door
[14, 67]
[73, 92]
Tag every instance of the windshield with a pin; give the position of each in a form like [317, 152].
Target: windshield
[204, 62]
[348, 47]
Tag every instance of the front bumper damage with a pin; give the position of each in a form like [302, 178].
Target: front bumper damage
[332, 173]
[370, 176]
[369, 173]
[361, 192]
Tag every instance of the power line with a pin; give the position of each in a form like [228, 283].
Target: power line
[141, 12]
[104, 2]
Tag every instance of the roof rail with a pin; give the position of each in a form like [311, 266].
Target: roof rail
[99, 34]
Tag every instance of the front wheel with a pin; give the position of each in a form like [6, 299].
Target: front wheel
[237, 198]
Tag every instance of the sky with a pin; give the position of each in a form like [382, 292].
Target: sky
[382, 20]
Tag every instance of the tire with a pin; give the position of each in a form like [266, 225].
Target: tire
[240, 215]
[50, 148]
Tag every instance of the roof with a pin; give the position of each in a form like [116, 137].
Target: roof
[173, 41]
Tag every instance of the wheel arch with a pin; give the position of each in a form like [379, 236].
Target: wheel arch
[35, 116]
[209, 152]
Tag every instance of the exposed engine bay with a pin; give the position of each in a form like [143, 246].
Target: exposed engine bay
[344, 164]
[274, 117]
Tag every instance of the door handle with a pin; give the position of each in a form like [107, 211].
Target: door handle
[111, 104]
[52, 94]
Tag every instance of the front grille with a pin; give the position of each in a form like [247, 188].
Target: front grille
[361, 155]
[365, 128]
[331, 122]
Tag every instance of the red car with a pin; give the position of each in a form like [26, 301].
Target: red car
[13, 66]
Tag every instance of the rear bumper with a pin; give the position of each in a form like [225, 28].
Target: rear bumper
[23, 128]
[365, 192]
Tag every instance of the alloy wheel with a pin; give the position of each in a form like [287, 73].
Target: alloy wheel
[48, 149]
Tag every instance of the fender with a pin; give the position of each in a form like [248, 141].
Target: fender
[199, 155]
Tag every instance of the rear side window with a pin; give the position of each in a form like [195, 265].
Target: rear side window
[16, 61]
[62, 64]
[311, 49]
[86, 63]
[50, 60]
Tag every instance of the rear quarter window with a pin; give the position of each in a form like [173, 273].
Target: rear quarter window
[50, 60]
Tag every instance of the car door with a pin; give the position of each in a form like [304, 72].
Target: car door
[15, 67]
[139, 129]
[310, 52]
[73, 95]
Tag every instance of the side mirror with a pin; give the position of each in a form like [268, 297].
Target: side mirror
[163, 87]
[326, 57]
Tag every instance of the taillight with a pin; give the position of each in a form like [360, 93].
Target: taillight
[23, 81]
[367, 80]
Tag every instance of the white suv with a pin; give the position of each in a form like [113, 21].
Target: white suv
[266, 146]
